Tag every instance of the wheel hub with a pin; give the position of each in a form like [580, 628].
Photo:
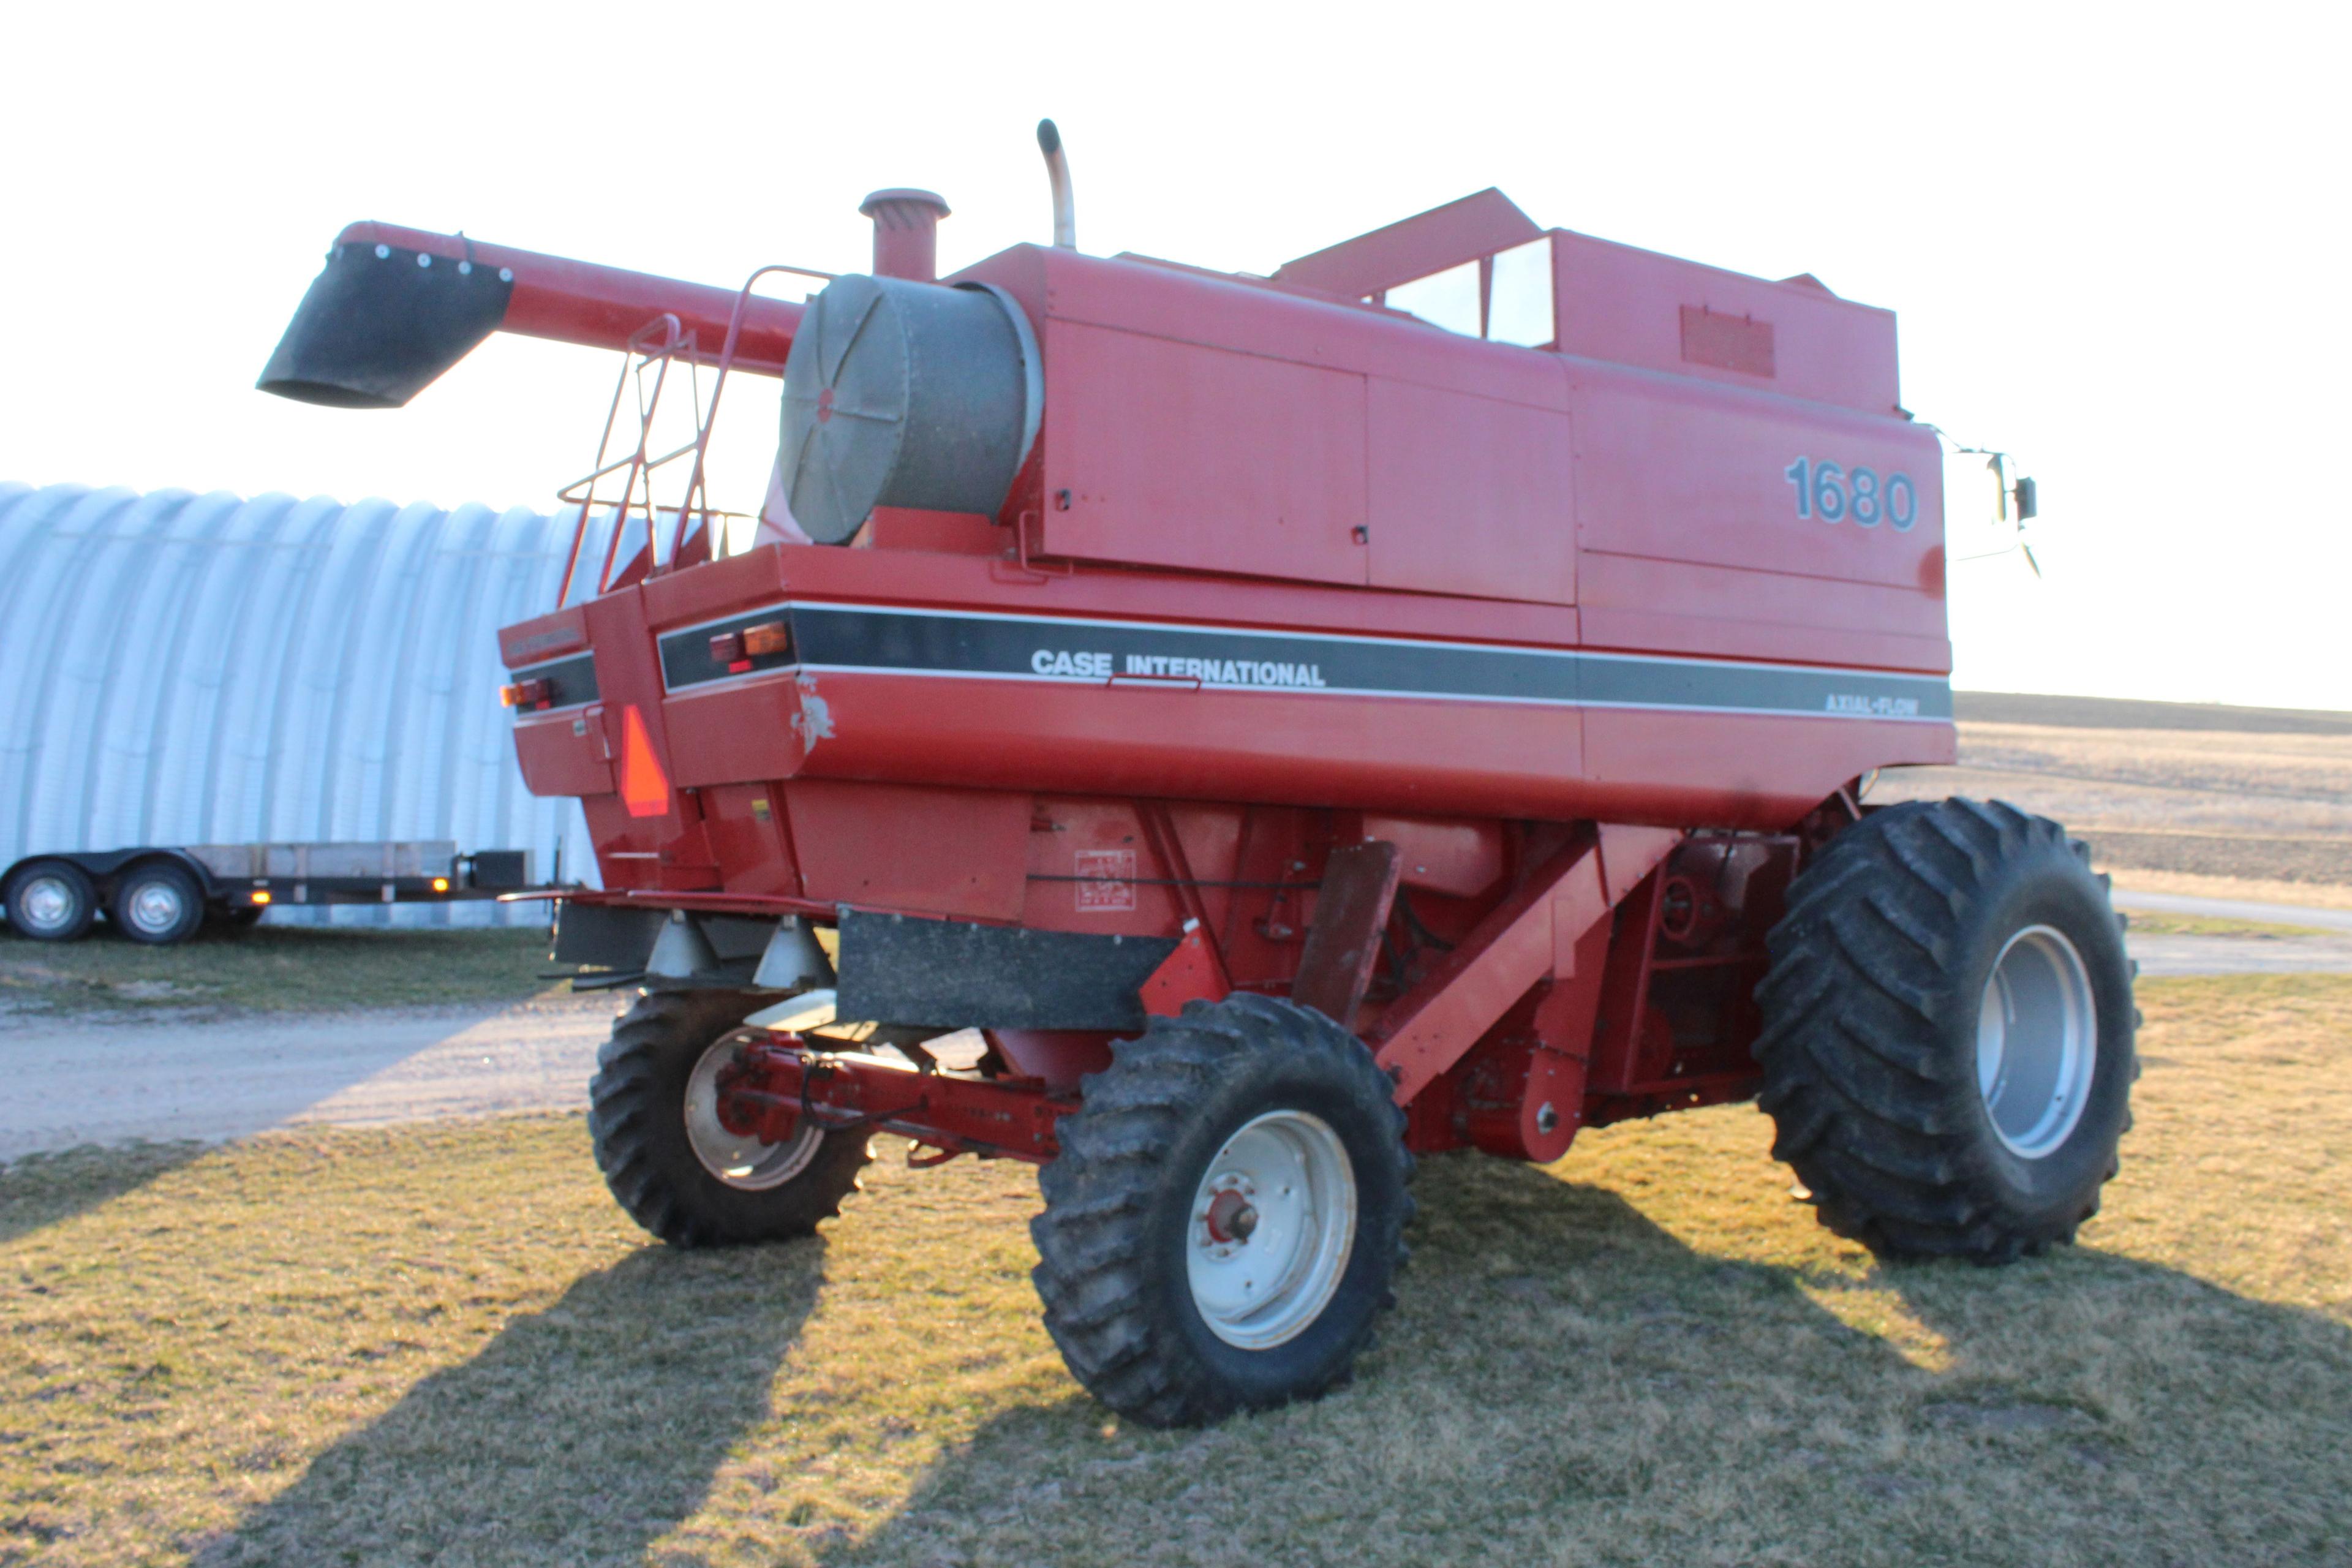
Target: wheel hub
[1231, 1217]
[1274, 1223]
[2037, 1041]
[154, 907]
[738, 1158]
[46, 901]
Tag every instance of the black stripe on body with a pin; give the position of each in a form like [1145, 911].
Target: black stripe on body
[569, 681]
[1090, 652]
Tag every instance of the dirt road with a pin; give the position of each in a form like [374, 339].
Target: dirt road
[2329, 951]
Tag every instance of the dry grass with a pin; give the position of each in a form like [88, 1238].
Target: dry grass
[273, 969]
[2146, 922]
[446, 1345]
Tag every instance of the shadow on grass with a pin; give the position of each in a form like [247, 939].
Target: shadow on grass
[1565, 1382]
[38, 1190]
[582, 1433]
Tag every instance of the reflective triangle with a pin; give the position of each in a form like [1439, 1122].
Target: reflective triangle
[645, 787]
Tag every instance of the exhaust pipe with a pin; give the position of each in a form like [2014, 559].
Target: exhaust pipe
[394, 308]
[1057, 169]
[906, 233]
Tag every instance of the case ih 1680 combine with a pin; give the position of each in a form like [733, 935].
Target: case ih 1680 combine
[1418, 701]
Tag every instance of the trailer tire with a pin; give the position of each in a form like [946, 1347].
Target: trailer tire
[1947, 1032]
[654, 1133]
[158, 902]
[1139, 1281]
[51, 900]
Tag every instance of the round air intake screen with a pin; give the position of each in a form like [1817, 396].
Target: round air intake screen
[905, 393]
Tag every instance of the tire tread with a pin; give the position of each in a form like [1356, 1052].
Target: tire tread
[1859, 1007]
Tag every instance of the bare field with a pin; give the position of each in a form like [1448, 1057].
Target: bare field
[446, 1345]
[2128, 713]
[2270, 806]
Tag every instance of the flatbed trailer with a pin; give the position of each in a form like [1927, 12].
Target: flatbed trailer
[164, 893]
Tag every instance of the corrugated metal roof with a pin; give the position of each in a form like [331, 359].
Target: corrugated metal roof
[178, 668]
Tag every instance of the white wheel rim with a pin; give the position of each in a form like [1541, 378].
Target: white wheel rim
[735, 1159]
[154, 906]
[48, 902]
[1273, 1223]
[2037, 1041]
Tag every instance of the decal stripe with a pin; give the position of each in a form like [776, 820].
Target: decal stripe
[1074, 650]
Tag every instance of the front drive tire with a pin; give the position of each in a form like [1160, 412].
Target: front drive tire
[654, 1122]
[1226, 1213]
[1947, 1047]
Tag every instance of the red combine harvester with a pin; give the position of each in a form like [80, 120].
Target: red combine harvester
[1217, 737]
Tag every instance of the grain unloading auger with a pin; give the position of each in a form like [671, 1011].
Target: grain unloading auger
[1219, 736]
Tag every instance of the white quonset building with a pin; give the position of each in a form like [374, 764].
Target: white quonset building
[178, 668]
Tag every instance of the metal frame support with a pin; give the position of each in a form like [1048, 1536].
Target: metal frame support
[778, 1081]
[1532, 936]
[1343, 941]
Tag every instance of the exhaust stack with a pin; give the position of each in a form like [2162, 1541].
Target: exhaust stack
[906, 233]
[1057, 169]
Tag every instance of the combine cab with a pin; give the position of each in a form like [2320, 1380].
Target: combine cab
[1217, 737]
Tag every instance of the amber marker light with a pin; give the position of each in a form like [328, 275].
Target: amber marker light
[766, 638]
[440, 884]
[260, 896]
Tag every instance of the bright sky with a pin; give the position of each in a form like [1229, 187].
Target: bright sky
[2115, 237]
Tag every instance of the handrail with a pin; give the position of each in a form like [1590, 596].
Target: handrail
[673, 336]
[653, 347]
[695, 482]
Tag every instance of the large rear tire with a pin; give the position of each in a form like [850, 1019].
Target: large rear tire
[1226, 1213]
[1947, 1046]
[652, 1117]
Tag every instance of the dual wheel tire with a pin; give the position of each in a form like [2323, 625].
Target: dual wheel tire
[156, 902]
[1221, 1228]
[1947, 1033]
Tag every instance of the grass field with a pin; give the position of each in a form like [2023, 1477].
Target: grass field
[273, 969]
[2146, 922]
[444, 1345]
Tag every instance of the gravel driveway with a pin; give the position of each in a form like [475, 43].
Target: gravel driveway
[71, 1081]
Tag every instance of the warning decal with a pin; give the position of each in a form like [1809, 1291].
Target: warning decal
[1107, 880]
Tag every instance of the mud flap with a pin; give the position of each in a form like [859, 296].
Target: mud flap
[904, 969]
